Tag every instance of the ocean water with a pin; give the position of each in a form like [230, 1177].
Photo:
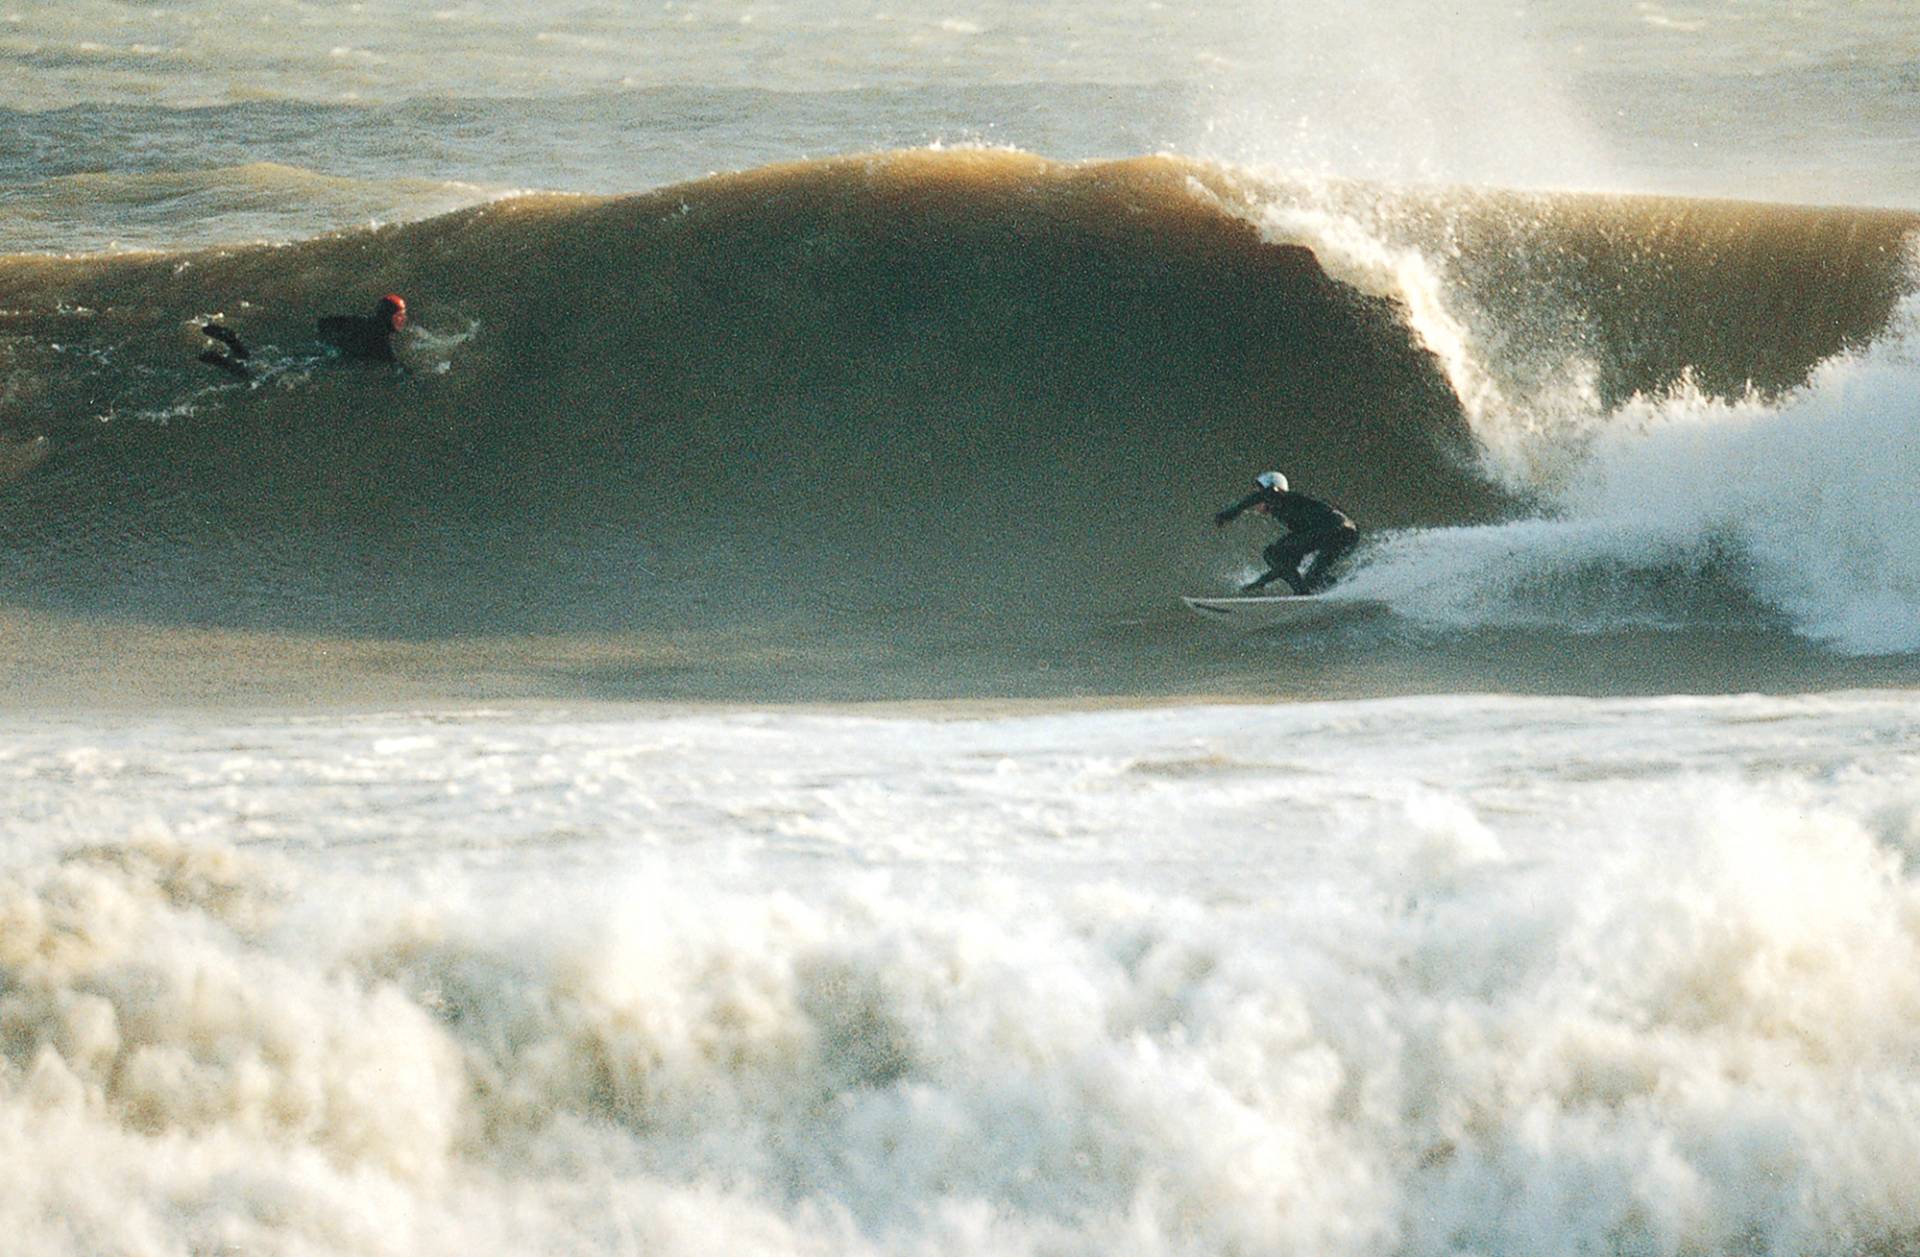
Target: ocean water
[706, 754]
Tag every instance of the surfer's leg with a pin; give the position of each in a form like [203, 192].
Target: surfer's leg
[228, 337]
[237, 352]
[214, 358]
[1332, 546]
[1260, 582]
[1283, 563]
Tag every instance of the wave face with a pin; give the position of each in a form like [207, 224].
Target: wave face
[909, 373]
[935, 401]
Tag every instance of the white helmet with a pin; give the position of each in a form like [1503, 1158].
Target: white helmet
[1271, 480]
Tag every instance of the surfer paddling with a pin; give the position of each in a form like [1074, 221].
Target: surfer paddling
[1312, 528]
[366, 337]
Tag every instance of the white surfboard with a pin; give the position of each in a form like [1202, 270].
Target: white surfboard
[1287, 610]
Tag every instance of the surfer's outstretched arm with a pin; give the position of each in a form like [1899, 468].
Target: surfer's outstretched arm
[1227, 514]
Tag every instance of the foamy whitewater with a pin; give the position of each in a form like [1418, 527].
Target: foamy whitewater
[1415, 976]
[707, 756]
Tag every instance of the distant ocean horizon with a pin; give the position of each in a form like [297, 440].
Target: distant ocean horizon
[196, 124]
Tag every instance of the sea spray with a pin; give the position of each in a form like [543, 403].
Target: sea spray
[1680, 507]
[1666, 491]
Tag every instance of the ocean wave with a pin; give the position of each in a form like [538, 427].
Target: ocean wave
[1005, 387]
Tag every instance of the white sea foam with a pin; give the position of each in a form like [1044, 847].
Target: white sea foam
[1801, 504]
[1404, 977]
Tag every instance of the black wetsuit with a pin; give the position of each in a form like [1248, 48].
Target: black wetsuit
[1313, 528]
[367, 336]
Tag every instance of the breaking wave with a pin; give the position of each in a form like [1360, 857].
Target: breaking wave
[977, 389]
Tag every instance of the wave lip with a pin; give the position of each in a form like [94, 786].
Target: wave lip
[1707, 406]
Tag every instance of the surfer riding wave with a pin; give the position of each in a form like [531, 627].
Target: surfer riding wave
[1312, 527]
